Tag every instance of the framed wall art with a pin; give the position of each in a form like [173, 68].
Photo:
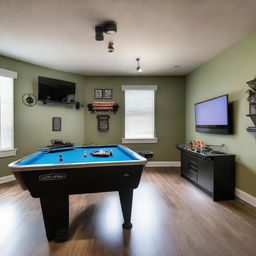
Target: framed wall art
[103, 122]
[56, 124]
[98, 93]
[107, 93]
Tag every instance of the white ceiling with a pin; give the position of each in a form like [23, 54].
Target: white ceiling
[60, 33]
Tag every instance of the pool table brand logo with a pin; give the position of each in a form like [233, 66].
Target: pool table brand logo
[53, 176]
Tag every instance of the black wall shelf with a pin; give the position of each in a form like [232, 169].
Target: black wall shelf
[251, 129]
[111, 107]
[253, 118]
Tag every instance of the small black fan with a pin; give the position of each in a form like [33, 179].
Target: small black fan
[29, 100]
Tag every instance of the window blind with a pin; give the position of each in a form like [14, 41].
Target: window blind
[139, 114]
[6, 113]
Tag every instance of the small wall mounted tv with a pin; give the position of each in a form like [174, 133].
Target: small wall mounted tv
[212, 116]
[54, 90]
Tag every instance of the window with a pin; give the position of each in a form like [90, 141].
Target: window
[139, 114]
[7, 113]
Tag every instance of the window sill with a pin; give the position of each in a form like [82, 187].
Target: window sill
[140, 141]
[8, 152]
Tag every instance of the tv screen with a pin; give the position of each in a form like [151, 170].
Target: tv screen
[54, 90]
[212, 115]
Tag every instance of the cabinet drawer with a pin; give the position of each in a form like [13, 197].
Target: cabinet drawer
[189, 166]
[189, 162]
[192, 175]
[192, 166]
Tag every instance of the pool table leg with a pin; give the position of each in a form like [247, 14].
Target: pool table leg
[55, 211]
[126, 204]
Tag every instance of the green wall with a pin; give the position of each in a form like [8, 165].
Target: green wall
[227, 73]
[169, 121]
[33, 125]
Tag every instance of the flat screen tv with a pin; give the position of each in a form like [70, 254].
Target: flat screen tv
[212, 116]
[54, 90]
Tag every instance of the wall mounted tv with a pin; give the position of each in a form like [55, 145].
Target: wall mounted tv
[212, 116]
[54, 90]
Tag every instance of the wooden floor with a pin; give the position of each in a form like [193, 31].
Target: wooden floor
[170, 217]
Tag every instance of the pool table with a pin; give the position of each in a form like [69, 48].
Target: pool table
[54, 174]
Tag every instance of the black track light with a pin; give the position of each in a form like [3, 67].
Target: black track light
[138, 68]
[108, 27]
[99, 33]
[111, 47]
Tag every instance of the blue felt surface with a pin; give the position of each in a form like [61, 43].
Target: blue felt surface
[77, 156]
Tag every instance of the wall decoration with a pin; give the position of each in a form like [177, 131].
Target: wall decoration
[252, 104]
[103, 122]
[107, 93]
[29, 100]
[252, 108]
[56, 124]
[98, 93]
[103, 106]
[252, 91]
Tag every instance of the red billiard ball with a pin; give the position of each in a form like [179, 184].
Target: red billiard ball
[61, 159]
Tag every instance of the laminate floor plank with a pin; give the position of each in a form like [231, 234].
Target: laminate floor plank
[170, 217]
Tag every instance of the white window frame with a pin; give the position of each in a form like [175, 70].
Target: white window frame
[11, 151]
[138, 140]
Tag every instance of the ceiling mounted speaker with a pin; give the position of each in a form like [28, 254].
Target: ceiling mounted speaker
[109, 27]
[99, 33]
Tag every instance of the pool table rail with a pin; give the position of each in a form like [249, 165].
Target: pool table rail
[15, 167]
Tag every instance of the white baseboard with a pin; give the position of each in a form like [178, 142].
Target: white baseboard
[246, 197]
[163, 164]
[7, 179]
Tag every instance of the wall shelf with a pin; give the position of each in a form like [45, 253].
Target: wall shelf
[103, 106]
[251, 129]
[253, 118]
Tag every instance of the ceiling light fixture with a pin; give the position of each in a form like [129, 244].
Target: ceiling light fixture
[99, 33]
[138, 68]
[108, 27]
[111, 47]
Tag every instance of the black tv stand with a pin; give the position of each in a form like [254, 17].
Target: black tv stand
[213, 172]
